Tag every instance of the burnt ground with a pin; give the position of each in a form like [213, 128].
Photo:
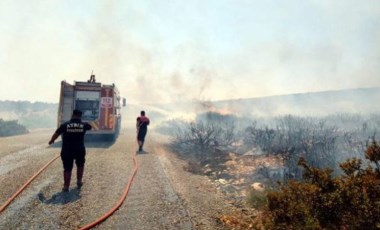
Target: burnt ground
[235, 176]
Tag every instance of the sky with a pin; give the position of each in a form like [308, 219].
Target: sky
[158, 51]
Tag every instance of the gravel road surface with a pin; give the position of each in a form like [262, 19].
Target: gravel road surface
[162, 196]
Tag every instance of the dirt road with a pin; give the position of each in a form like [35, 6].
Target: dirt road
[162, 196]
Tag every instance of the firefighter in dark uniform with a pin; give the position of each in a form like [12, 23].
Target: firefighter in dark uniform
[73, 148]
[142, 128]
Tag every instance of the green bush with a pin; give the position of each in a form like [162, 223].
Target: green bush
[349, 201]
[11, 128]
[256, 199]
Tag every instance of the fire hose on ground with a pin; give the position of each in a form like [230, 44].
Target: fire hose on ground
[100, 219]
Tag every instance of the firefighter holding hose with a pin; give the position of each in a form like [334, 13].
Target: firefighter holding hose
[73, 148]
[142, 128]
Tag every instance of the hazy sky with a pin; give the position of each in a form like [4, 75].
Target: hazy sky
[161, 51]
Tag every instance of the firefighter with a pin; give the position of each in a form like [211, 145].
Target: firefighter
[73, 148]
[142, 128]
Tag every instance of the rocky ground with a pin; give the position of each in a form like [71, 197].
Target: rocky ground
[164, 195]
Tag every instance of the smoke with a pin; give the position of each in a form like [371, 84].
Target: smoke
[158, 52]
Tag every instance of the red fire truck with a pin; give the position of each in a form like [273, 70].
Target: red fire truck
[100, 105]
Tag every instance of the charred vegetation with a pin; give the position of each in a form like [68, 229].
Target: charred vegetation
[296, 159]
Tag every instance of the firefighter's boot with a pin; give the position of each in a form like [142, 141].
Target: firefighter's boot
[66, 181]
[141, 146]
[80, 171]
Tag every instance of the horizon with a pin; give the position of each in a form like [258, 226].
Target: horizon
[216, 101]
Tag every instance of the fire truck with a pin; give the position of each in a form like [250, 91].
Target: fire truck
[99, 103]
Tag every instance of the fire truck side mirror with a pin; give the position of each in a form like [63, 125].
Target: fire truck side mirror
[124, 102]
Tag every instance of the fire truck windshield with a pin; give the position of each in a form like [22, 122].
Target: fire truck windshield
[88, 103]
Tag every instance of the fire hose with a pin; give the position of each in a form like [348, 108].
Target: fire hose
[119, 203]
[100, 219]
[25, 185]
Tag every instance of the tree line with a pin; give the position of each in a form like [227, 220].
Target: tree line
[30, 114]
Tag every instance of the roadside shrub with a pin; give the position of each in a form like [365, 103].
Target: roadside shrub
[256, 199]
[294, 137]
[208, 133]
[350, 201]
[11, 128]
